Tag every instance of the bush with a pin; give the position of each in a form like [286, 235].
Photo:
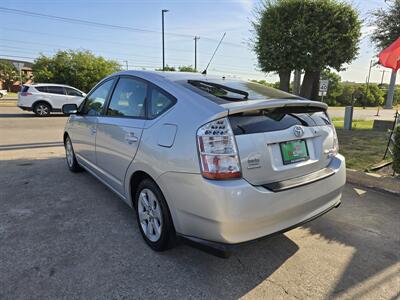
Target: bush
[396, 150]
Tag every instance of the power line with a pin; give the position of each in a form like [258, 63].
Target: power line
[101, 25]
[121, 43]
[125, 55]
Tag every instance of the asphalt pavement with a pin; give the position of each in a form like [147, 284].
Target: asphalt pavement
[66, 236]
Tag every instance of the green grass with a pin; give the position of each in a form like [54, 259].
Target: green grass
[357, 124]
[362, 147]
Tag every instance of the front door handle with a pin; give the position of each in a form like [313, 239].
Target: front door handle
[93, 130]
[131, 138]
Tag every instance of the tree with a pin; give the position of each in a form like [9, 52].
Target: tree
[187, 69]
[371, 97]
[8, 74]
[81, 69]
[386, 24]
[305, 35]
[167, 68]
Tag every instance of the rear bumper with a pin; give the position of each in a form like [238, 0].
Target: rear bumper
[27, 108]
[235, 211]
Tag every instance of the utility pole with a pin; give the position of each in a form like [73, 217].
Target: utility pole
[296, 82]
[383, 76]
[126, 63]
[368, 78]
[390, 94]
[195, 52]
[163, 46]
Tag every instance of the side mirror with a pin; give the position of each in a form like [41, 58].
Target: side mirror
[69, 109]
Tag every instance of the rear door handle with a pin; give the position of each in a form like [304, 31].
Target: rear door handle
[131, 138]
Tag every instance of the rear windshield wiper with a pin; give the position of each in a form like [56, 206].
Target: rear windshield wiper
[200, 83]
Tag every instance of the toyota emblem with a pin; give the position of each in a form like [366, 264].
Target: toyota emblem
[298, 131]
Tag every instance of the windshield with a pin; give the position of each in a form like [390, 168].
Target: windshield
[236, 90]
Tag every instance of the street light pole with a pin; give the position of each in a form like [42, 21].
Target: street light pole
[163, 47]
[195, 52]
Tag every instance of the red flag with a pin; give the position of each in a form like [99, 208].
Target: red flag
[390, 56]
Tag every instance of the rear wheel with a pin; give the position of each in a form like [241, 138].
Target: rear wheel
[72, 163]
[153, 216]
[42, 109]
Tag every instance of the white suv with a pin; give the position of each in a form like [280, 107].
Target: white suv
[43, 98]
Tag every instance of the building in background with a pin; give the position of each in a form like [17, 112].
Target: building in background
[26, 73]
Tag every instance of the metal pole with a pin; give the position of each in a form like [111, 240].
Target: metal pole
[126, 63]
[195, 52]
[383, 76]
[163, 46]
[369, 76]
[390, 94]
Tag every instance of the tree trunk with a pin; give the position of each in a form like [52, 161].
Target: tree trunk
[307, 87]
[284, 80]
[315, 88]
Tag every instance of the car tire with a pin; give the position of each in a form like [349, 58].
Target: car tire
[72, 163]
[153, 216]
[42, 109]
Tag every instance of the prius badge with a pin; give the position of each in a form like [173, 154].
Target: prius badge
[298, 131]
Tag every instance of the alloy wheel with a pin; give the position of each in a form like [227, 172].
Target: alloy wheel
[150, 216]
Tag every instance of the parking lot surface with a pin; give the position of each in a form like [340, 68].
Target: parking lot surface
[65, 235]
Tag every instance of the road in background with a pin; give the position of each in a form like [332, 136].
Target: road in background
[335, 112]
[65, 235]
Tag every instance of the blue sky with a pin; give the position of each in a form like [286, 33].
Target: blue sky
[27, 36]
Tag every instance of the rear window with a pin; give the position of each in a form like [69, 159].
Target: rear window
[267, 120]
[225, 91]
[24, 88]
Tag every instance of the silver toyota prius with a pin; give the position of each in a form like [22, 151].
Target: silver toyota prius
[213, 160]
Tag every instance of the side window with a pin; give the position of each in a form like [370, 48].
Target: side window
[159, 103]
[56, 90]
[128, 99]
[72, 92]
[42, 89]
[94, 103]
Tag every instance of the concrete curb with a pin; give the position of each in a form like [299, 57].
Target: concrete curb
[374, 181]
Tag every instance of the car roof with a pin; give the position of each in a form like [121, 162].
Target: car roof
[175, 76]
[52, 84]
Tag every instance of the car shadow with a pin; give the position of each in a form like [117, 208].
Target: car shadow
[359, 223]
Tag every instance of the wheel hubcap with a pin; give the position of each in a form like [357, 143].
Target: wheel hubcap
[150, 216]
[69, 153]
[42, 110]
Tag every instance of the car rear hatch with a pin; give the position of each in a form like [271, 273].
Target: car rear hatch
[282, 139]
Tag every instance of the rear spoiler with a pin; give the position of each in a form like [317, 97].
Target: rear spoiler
[243, 106]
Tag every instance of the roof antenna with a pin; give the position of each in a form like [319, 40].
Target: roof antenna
[215, 51]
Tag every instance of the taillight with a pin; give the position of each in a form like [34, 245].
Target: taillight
[218, 153]
[26, 94]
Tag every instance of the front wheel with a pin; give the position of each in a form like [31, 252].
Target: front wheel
[72, 163]
[153, 216]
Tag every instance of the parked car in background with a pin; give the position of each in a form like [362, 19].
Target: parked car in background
[44, 98]
[3, 93]
[214, 160]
